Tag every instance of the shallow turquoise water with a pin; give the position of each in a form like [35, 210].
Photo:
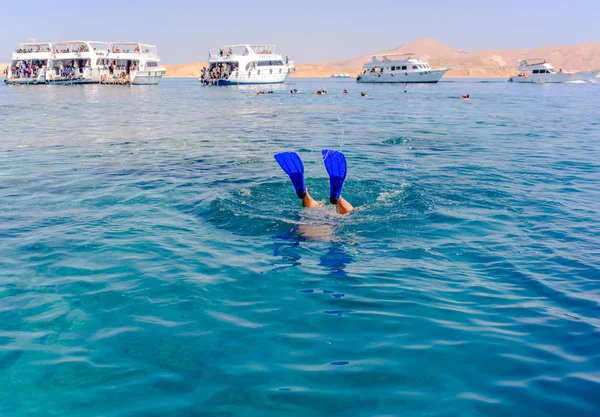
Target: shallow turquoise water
[149, 263]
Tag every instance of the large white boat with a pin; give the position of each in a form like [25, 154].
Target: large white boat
[29, 63]
[137, 63]
[77, 62]
[540, 71]
[66, 62]
[399, 68]
[84, 62]
[246, 64]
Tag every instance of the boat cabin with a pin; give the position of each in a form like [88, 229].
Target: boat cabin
[29, 61]
[388, 64]
[128, 57]
[535, 66]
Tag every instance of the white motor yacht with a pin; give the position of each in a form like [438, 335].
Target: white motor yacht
[246, 64]
[540, 71]
[399, 68]
[134, 63]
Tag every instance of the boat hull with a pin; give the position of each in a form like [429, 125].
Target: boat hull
[559, 77]
[245, 78]
[425, 77]
[147, 78]
[25, 81]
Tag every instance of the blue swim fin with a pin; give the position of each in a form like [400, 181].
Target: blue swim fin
[291, 163]
[335, 163]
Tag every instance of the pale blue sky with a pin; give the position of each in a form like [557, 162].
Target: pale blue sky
[306, 30]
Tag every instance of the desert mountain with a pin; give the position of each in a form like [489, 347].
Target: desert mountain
[487, 63]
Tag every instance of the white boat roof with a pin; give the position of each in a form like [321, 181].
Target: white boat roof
[533, 63]
[386, 56]
[406, 59]
[147, 45]
[74, 42]
[252, 47]
[233, 52]
[34, 43]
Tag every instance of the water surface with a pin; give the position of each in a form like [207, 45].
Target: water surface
[150, 264]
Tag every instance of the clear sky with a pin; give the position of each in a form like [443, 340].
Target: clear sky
[306, 30]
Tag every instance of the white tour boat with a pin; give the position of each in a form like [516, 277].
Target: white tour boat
[29, 64]
[402, 70]
[540, 71]
[76, 62]
[246, 64]
[135, 63]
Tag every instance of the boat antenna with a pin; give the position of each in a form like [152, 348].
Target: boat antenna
[32, 39]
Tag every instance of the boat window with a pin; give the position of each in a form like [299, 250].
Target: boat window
[536, 71]
[404, 67]
[415, 67]
[151, 64]
[269, 63]
[393, 68]
[551, 71]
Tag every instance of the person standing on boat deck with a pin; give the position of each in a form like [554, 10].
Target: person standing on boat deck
[287, 60]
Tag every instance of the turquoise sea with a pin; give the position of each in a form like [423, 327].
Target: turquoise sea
[150, 263]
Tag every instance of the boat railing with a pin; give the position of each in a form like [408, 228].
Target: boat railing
[31, 51]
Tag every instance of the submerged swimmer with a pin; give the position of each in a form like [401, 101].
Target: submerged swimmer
[465, 97]
[335, 163]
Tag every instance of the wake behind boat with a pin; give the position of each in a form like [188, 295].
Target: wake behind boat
[246, 64]
[404, 70]
[540, 71]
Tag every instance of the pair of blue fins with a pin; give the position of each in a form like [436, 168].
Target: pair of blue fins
[335, 163]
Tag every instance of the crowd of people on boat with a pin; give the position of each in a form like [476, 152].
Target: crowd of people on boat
[25, 69]
[221, 71]
[120, 78]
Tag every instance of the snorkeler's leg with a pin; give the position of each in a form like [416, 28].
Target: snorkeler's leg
[343, 206]
[308, 201]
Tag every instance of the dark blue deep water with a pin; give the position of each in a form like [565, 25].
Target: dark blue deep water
[150, 263]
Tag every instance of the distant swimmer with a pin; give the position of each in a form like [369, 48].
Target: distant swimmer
[465, 97]
[335, 163]
[320, 92]
[345, 91]
[363, 94]
[294, 91]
